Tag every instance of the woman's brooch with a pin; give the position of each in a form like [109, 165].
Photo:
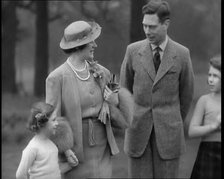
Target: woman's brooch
[95, 69]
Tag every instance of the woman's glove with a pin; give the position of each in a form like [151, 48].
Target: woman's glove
[110, 96]
[104, 112]
[71, 158]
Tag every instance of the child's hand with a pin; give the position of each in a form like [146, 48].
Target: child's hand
[219, 120]
[217, 123]
[219, 117]
[71, 157]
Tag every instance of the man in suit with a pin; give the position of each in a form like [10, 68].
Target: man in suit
[158, 72]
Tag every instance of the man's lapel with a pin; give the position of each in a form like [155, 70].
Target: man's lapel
[146, 58]
[166, 61]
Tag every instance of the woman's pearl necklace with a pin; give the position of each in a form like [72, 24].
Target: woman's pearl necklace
[75, 70]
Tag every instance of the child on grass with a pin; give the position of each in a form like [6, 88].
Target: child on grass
[40, 157]
[206, 123]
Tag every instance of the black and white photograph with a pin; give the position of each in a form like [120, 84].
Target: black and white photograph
[111, 89]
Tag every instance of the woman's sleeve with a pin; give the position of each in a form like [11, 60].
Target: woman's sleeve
[53, 93]
[28, 157]
[64, 136]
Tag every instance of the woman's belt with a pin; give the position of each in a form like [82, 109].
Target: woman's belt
[93, 119]
[90, 121]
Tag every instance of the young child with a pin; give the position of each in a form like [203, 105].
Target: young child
[206, 123]
[40, 157]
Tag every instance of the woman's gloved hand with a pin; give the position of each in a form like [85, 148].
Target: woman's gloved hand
[71, 158]
[111, 96]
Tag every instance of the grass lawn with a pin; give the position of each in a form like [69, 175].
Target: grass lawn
[186, 162]
[12, 154]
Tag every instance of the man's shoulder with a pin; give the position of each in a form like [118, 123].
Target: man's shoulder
[178, 46]
[137, 44]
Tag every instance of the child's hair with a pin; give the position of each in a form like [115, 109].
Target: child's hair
[40, 112]
[216, 62]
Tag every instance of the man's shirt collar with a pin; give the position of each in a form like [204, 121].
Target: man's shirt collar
[162, 46]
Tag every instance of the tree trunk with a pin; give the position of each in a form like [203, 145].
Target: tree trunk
[136, 27]
[41, 53]
[9, 31]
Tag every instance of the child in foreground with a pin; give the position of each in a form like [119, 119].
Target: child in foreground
[40, 156]
[206, 123]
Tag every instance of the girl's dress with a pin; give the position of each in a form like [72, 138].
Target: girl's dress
[40, 159]
[208, 161]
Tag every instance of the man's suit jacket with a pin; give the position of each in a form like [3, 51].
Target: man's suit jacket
[161, 100]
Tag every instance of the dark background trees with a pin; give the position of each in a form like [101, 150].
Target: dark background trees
[194, 23]
[41, 53]
[30, 47]
[9, 32]
[136, 32]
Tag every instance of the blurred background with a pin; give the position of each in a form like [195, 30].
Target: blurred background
[31, 33]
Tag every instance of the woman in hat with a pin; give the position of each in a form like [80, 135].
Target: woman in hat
[80, 90]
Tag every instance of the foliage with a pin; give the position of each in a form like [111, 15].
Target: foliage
[14, 131]
[9, 32]
[15, 112]
[200, 31]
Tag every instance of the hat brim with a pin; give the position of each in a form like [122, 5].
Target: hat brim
[96, 31]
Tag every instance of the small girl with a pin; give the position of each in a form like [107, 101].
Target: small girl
[40, 157]
[206, 123]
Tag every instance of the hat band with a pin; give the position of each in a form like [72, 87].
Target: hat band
[78, 37]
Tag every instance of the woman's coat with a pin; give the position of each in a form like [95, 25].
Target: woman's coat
[62, 92]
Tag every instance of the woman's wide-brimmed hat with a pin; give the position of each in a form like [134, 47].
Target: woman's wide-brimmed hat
[79, 33]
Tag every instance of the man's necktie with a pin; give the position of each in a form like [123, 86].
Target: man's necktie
[156, 59]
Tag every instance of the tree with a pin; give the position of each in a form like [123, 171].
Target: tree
[136, 31]
[9, 29]
[202, 32]
[10, 34]
[41, 53]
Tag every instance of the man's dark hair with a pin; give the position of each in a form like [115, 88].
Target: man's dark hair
[159, 7]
